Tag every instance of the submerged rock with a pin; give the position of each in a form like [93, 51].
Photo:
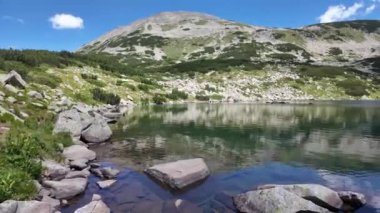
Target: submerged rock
[274, 199]
[316, 193]
[76, 152]
[181, 173]
[352, 200]
[66, 188]
[106, 172]
[95, 206]
[12, 206]
[167, 206]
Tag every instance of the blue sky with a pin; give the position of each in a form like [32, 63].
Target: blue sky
[39, 24]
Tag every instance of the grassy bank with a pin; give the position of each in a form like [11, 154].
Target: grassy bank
[21, 152]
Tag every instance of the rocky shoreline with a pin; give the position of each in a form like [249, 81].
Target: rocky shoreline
[87, 125]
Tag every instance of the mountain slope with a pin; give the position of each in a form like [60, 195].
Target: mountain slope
[185, 36]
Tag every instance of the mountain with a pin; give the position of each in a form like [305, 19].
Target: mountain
[186, 36]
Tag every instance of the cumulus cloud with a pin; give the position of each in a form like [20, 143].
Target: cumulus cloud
[340, 12]
[11, 18]
[370, 9]
[66, 21]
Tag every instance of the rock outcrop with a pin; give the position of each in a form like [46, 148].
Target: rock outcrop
[181, 173]
[77, 152]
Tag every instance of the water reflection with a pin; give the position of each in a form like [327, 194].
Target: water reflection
[338, 137]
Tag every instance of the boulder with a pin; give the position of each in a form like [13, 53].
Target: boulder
[275, 199]
[54, 203]
[79, 164]
[352, 200]
[66, 188]
[318, 194]
[105, 183]
[95, 206]
[35, 94]
[97, 132]
[11, 88]
[54, 170]
[78, 174]
[73, 122]
[181, 173]
[76, 152]
[14, 79]
[12, 206]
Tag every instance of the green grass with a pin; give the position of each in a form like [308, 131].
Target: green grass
[21, 150]
[354, 87]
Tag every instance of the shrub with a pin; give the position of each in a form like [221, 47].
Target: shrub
[201, 97]
[131, 87]
[159, 99]
[283, 56]
[353, 87]
[177, 95]
[319, 72]
[89, 76]
[105, 97]
[335, 51]
[143, 87]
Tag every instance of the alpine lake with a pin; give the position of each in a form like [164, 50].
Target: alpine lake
[336, 144]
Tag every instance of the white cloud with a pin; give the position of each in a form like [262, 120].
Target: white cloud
[11, 18]
[66, 21]
[340, 12]
[370, 9]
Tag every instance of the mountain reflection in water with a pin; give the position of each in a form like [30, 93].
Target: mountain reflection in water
[335, 144]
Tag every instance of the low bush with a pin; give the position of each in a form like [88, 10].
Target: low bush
[319, 72]
[131, 87]
[353, 87]
[177, 95]
[159, 99]
[335, 51]
[105, 97]
[143, 87]
[15, 184]
[201, 97]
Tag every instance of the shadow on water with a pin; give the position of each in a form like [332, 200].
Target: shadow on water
[245, 145]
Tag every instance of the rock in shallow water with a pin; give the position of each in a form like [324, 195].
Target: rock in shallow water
[66, 188]
[105, 183]
[352, 200]
[181, 173]
[95, 206]
[98, 131]
[167, 206]
[274, 199]
[316, 193]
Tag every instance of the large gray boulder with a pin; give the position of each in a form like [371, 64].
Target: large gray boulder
[316, 193]
[72, 121]
[95, 206]
[54, 170]
[98, 131]
[14, 79]
[275, 199]
[181, 173]
[77, 152]
[12, 206]
[66, 188]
